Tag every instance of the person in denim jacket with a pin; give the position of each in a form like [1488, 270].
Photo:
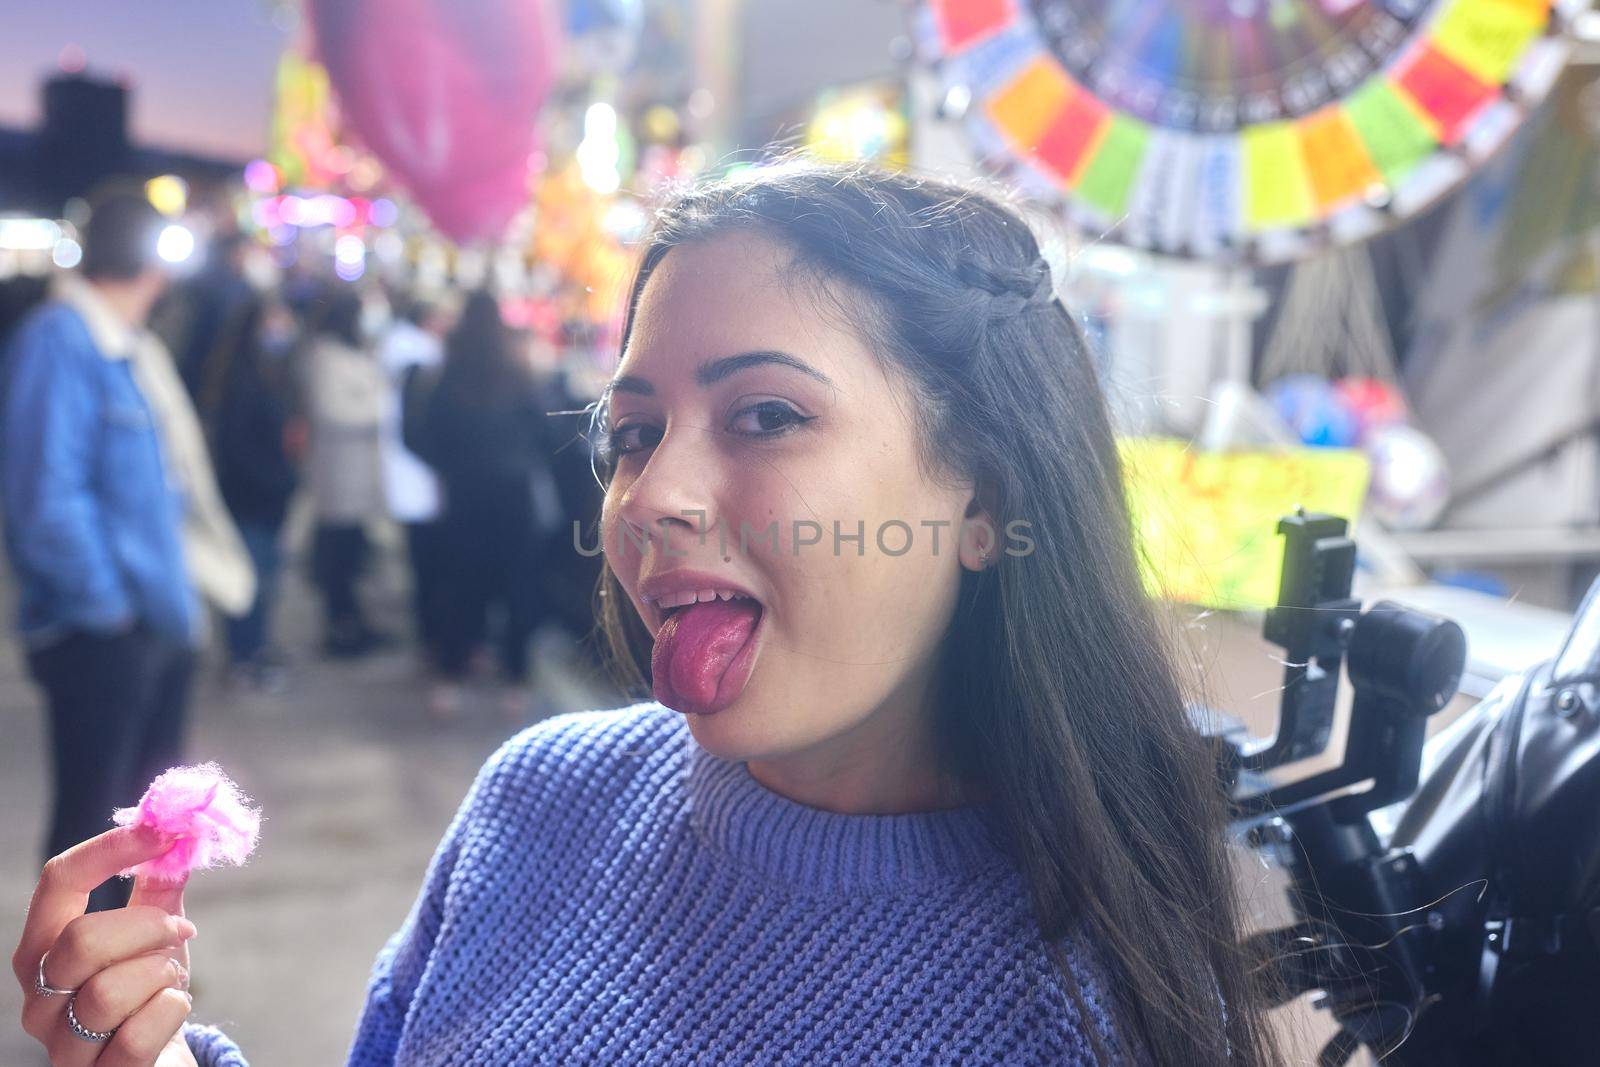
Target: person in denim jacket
[94, 528]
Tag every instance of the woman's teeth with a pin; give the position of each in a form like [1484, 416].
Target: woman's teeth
[677, 600]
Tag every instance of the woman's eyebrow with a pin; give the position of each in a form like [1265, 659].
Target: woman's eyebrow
[631, 383]
[714, 371]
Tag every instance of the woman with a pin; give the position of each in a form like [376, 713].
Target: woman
[915, 804]
[257, 438]
[485, 428]
[345, 392]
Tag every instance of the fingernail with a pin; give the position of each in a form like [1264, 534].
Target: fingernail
[188, 997]
[186, 929]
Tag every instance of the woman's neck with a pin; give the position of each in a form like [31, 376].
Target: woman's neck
[888, 764]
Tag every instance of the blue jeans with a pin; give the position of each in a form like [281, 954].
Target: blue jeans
[248, 634]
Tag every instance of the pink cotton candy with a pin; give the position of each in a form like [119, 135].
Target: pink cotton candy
[204, 811]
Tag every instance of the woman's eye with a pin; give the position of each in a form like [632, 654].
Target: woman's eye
[767, 418]
[634, 437]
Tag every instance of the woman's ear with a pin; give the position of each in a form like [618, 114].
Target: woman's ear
[978, 541]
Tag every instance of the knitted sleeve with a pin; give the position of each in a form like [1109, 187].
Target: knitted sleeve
[211, 1047]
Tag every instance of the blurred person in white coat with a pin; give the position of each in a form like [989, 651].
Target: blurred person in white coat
[346, 391]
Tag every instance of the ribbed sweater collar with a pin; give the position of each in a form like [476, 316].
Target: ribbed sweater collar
[814, 851]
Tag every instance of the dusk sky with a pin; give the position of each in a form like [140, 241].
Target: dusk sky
[202, 70]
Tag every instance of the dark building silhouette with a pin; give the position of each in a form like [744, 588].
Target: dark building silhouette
[82, 143]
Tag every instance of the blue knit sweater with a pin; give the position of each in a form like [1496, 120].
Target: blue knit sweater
[610, 892]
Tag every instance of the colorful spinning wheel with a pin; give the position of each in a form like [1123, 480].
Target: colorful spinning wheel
[1255, 128]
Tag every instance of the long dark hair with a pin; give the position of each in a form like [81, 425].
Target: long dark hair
[481, 365]
[239, 361]
[337, 314]
[1058, 692]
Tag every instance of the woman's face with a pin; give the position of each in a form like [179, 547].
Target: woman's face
[741, 402]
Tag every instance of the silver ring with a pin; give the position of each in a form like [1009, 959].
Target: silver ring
[42, 988]
[99, 1037]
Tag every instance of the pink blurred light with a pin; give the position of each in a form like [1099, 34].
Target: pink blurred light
[339, 211]
[261, 176]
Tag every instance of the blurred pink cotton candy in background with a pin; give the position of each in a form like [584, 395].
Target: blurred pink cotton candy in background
[206, 813]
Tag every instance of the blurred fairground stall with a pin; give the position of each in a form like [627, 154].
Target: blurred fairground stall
[1335, 253]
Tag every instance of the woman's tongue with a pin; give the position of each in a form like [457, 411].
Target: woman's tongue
[694, 648]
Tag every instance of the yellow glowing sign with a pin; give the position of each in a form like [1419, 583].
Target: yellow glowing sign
[1207, 523]
[863, 122]
[303, 137]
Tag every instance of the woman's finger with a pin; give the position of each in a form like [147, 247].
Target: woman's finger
[109, 999]
[91, 943]
[168, 897]
[88, 945]
[159, 893]
[139, 1041]
[63, 890]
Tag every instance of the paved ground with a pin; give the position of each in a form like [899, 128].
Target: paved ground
[358, 786]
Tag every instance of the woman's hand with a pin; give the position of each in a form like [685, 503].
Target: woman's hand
[129, 968]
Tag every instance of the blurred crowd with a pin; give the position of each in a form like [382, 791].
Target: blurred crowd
[424, 409]
[166, 443]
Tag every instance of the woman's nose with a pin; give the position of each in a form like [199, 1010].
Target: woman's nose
[669, 500]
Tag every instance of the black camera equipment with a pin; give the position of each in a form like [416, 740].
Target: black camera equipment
[1468, 935]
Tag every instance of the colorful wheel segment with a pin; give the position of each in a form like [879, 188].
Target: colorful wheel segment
[1250, 129]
